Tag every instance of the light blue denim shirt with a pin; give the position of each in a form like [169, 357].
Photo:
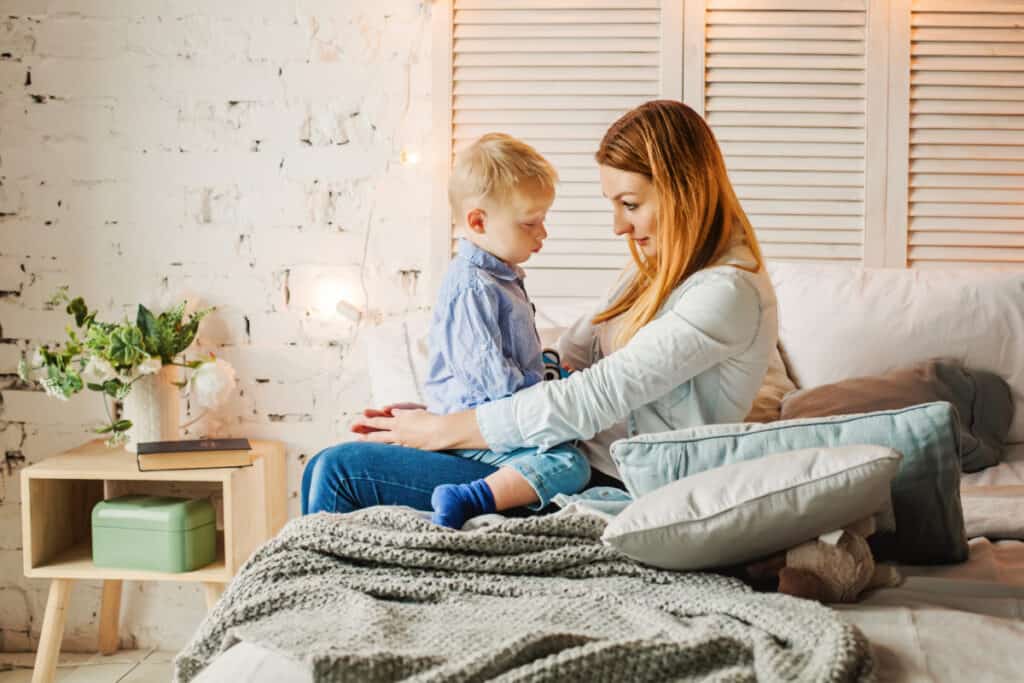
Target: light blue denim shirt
[700, 361]
[483, 337]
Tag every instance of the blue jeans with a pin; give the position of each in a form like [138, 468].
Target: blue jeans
[359, 474]
[563, 469]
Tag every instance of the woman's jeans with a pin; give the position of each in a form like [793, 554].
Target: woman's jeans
[359, 474]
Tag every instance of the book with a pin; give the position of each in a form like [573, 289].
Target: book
[193, 454]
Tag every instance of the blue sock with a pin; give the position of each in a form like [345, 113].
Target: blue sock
[455, 503]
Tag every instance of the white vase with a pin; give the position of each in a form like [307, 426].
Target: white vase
[154, 407]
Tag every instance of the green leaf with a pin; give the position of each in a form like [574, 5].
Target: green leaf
[174, 315]
[78, 309]
[67, 382]
[147, 322]
[59, 297]
[126, 349]
[24, 370]
[104, 430]
[115, 388]
[122, 425]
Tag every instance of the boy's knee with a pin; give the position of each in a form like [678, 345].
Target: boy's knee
[583, 472]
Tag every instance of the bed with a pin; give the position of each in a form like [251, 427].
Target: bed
[943, 623]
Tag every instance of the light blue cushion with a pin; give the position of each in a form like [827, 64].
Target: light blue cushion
[925, 492]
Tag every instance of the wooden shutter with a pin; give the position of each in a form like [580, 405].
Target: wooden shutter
[966, 133]
[557, 73]
[784, 85]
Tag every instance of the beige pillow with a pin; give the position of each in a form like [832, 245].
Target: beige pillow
[768, 402]
[747, 510]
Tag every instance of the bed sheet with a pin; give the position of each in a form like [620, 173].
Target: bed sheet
[993, 499]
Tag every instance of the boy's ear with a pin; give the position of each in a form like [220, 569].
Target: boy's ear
[476, 220]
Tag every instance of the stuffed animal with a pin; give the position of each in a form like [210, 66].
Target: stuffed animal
[553, 368]
[832, 568]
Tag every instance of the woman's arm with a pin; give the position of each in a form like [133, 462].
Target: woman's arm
[714, 320]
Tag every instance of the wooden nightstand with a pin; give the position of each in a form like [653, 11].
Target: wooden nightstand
[57, 497]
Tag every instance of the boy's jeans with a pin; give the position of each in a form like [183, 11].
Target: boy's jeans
[560, 470]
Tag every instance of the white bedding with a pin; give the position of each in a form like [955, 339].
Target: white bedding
[1010, 472]
[993, 498]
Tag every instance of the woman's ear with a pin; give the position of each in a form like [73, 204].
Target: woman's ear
[476, 220]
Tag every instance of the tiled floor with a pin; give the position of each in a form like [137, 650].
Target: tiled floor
[126, 666]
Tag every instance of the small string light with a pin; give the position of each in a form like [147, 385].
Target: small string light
[347, 310]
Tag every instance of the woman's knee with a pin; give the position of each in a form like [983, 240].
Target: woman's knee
[324, 477]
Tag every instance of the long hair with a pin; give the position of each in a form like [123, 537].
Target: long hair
[698, 214]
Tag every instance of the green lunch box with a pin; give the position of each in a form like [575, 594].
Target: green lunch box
[154, 533]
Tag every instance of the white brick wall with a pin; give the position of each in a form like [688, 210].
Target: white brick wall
[235, 150]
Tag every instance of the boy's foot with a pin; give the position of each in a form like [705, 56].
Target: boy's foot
[455, 503]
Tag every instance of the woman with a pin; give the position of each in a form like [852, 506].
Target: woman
[684, 340]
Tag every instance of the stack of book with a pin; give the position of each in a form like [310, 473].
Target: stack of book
[193, 454]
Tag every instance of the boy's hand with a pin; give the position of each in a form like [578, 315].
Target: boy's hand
[386, 411]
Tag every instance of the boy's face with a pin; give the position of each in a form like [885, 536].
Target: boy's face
[513, 228]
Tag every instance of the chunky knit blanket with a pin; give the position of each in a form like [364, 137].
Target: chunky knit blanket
[383, 595]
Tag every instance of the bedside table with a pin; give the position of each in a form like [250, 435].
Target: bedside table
[57, 497]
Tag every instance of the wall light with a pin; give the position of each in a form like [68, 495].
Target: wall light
[334, 297]
[409, 156]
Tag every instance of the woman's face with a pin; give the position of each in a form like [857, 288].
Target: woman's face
[635, 206]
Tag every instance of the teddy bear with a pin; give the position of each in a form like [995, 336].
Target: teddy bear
[833, 568]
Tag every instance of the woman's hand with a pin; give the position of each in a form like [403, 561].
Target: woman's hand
[414, 427]
[388, 410]
[410, 427]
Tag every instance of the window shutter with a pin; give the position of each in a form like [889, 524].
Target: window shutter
[785, 89]
[966, 135]
[557, 73]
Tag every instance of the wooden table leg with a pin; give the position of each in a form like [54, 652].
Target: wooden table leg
[213, 593]
[52, 632]
[110, 613]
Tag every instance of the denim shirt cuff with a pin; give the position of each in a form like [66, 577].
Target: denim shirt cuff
[497, 424]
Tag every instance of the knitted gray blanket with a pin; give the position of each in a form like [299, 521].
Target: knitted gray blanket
[383, 595]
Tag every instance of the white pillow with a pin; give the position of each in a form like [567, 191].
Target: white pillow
[837, 322]
[396, 358]
[744, 511]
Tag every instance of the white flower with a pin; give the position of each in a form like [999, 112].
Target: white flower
[211, 384]
[53, 388]
[98, 370]
[149, 366]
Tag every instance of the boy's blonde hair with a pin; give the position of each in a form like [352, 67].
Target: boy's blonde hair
[494, 166]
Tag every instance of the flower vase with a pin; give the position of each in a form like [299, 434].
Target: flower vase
[154, 407]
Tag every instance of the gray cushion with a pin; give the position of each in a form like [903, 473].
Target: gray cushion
[982, 401]
[925, 492]
[740, 512]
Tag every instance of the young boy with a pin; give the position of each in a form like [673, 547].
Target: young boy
[483, 339]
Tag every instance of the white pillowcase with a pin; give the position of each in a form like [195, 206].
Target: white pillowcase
[747, 510]
[396, 358]
[837, 322]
